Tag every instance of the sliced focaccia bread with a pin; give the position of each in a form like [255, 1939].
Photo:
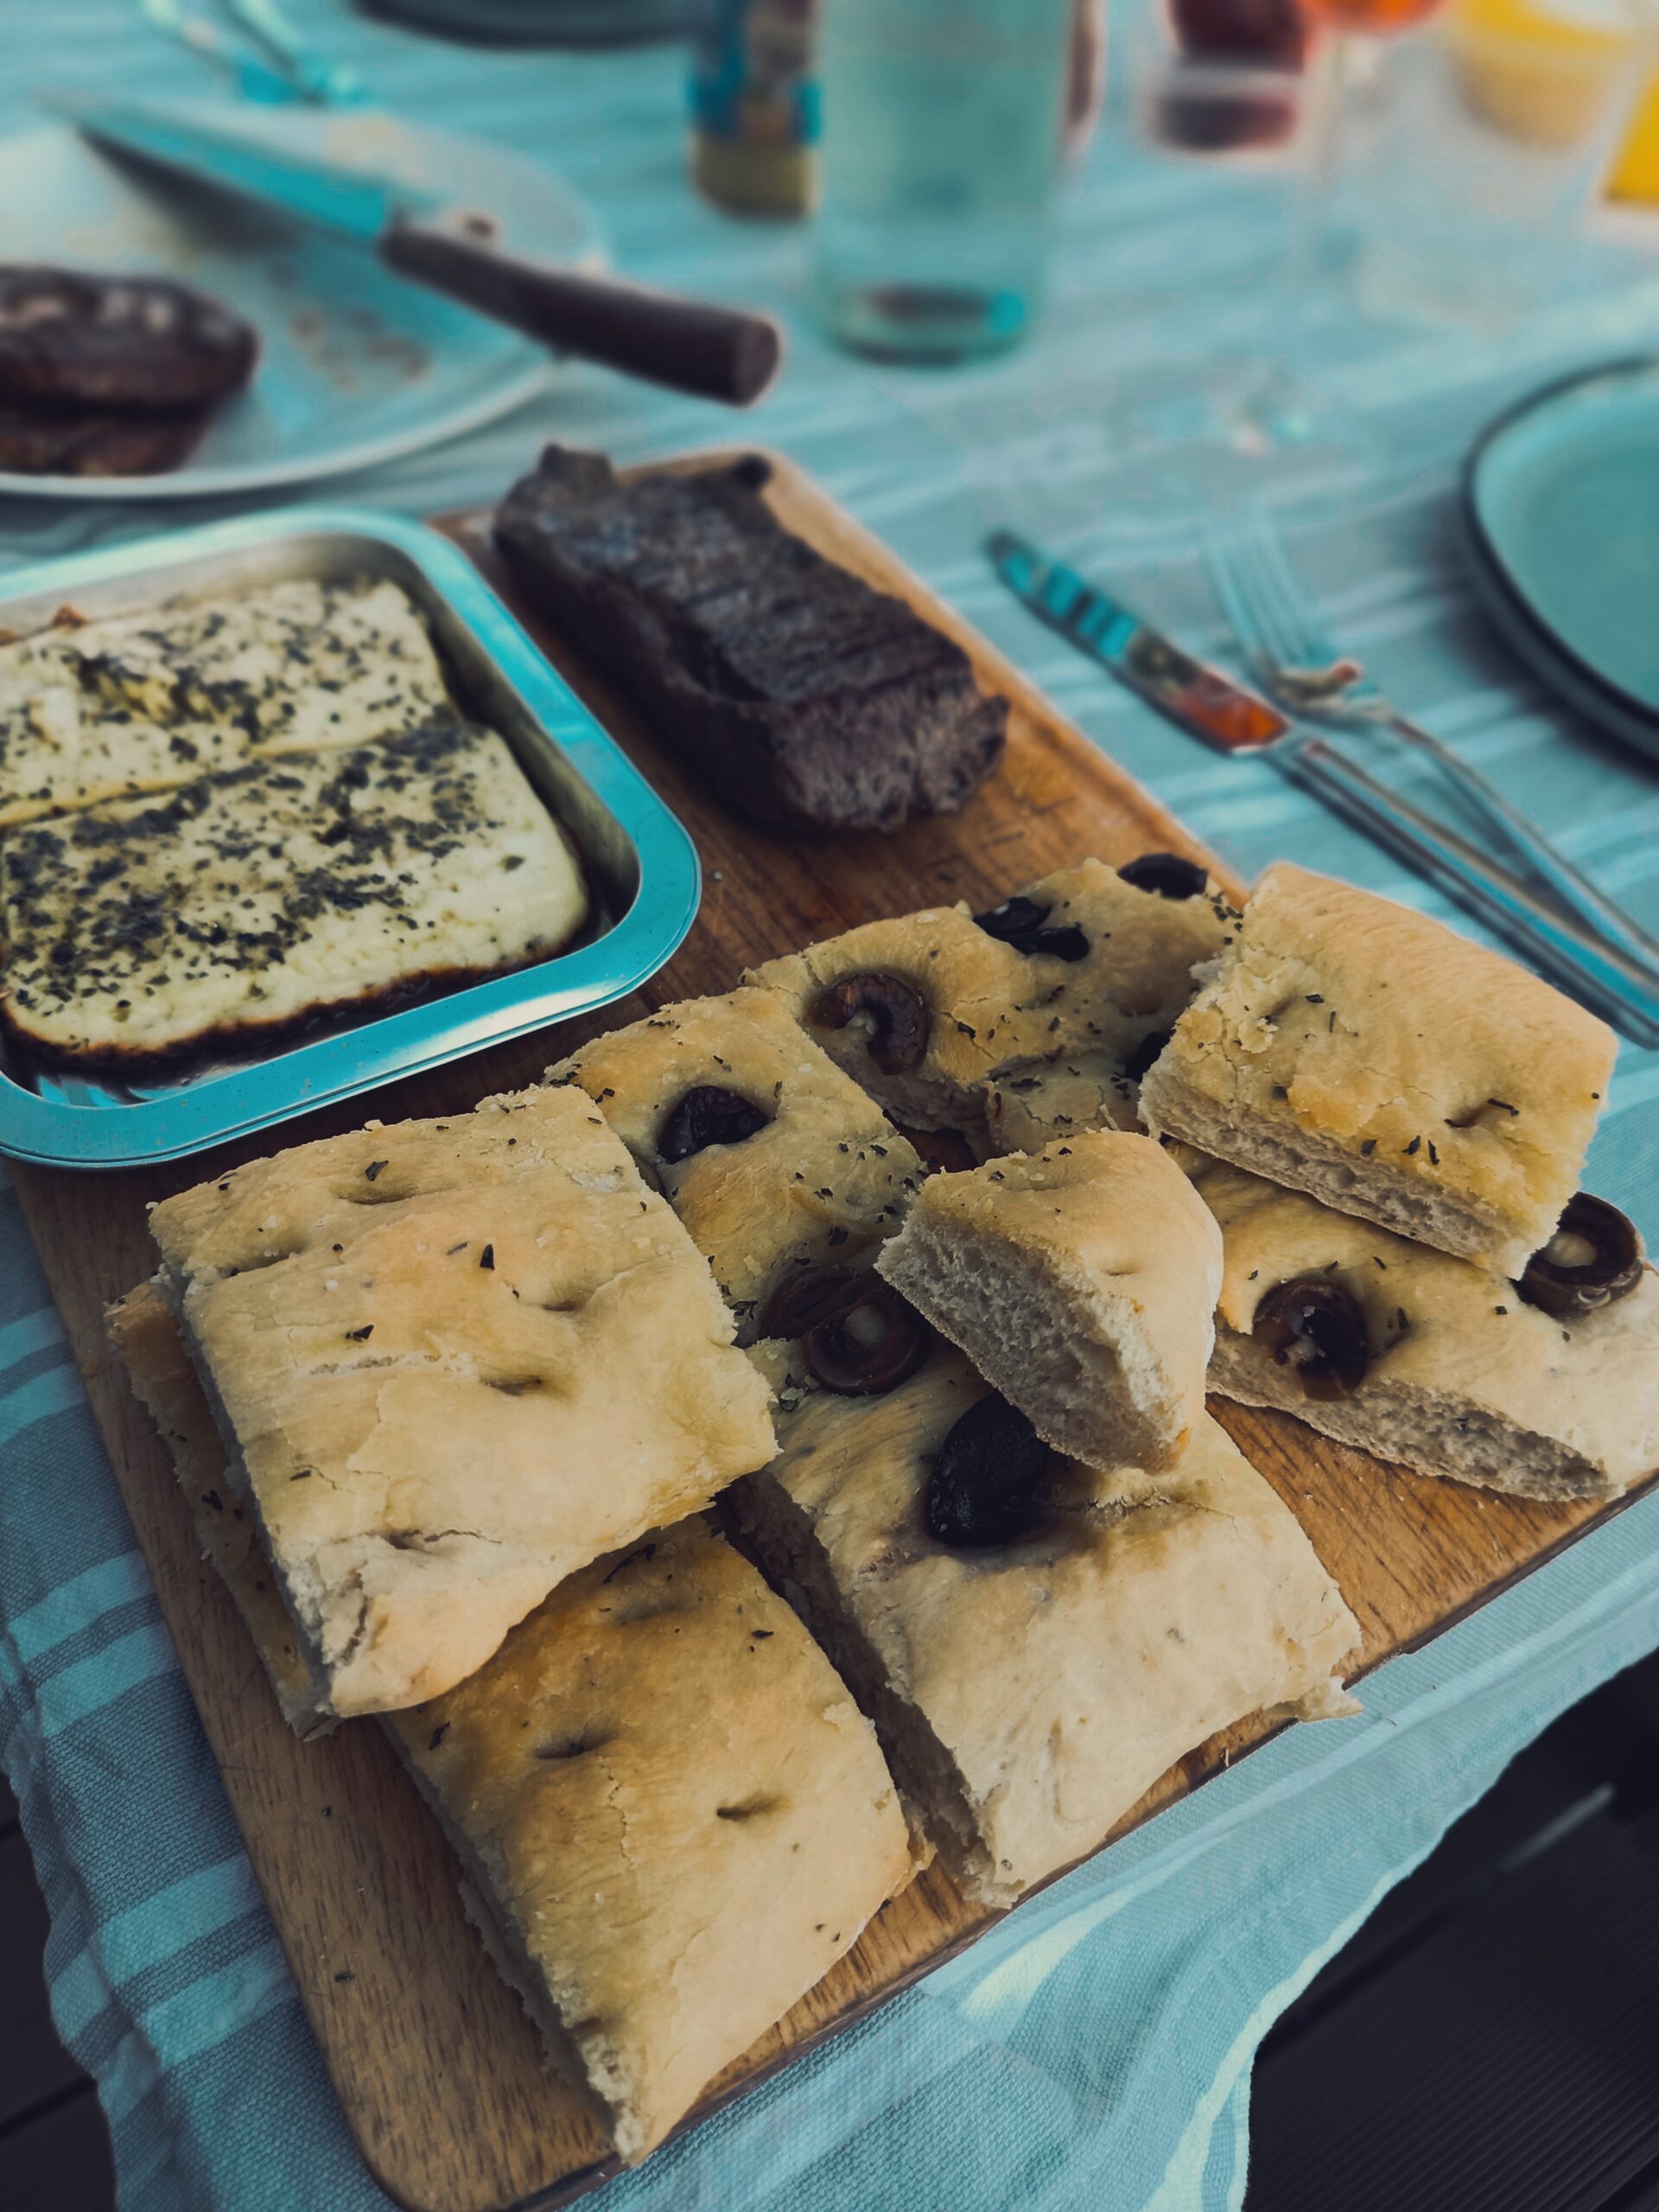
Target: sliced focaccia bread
[772, 1158]
[145, 1332]
[413, 1338]
[1442, 1364]
[1358, 1051]
[1081, 1283]
[1036, 1642]
[243, 906]
[927, 1010]
[1033, 1107]
[671, 1818]
[663, 1692]
[139, 703]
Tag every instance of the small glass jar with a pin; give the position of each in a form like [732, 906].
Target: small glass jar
[942, 127]
[754, 105]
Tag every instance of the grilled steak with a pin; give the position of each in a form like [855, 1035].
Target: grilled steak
[804, 696]
[69, 338]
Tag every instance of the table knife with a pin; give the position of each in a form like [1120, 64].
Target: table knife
[1210, 705]
[695, 345]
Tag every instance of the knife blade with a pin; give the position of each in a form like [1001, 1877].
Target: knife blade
[1199, 698]
[696, 346]
[223, 154]
[1213, 706]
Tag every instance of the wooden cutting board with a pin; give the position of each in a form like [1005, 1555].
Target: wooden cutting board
[437, 2069]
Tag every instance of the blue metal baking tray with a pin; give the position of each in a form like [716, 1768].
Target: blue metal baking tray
[641, 866]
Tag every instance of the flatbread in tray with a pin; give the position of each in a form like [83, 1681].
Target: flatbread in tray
[141, 702]
[244, 905]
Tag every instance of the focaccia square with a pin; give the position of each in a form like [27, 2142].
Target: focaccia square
[1081, 1284]
[671, 1818]
[661, 1736]
[930, 1010]
[140, 702]
[243, 906]
[772, 1158]
[1362, 1052]
[413, 1338]
[1438, 1362]
[1028, 1692]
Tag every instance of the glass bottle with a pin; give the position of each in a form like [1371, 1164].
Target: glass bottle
[754, 105]
[942, 124]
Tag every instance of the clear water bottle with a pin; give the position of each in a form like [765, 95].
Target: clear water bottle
[942, 122]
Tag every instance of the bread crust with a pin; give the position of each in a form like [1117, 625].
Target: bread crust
[1354, 1049]
[1467, 1380]
[824, 1180]
[411, 1338]
[1028, 1695]
[1081, 1283]
[145, 1334]
[680, 1815]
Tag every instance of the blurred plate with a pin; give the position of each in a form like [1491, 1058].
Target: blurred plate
[358, 366]
[541, 22]
[1561, 497]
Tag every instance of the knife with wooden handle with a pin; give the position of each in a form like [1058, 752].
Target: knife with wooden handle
[730, 355]
[694, 345]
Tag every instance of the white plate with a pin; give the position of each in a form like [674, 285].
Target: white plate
[357, 365]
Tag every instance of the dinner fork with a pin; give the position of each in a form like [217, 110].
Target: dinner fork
[1295, 662]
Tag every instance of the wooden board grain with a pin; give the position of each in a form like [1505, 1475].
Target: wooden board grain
[436, 2068]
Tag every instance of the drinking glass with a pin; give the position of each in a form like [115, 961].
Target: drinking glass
[1232, 410]
[1482, 153]
[942, 122]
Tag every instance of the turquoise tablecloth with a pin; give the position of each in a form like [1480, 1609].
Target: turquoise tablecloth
[1096, 2050]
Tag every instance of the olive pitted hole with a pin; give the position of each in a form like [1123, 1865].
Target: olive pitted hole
[1138, 1064]
[593, 1739]
[1166, 874]
[987, 1484]
[1318, 1329]
[703, 1116]
[858, 1335]
[1593, 1259]
[899, 1020]
[1020, 922]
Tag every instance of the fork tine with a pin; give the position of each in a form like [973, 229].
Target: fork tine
[1236, 573]
[1305, 643]
[1222, 558]
[1275, 632]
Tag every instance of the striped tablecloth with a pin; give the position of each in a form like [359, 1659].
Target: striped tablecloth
[1097, 2049]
